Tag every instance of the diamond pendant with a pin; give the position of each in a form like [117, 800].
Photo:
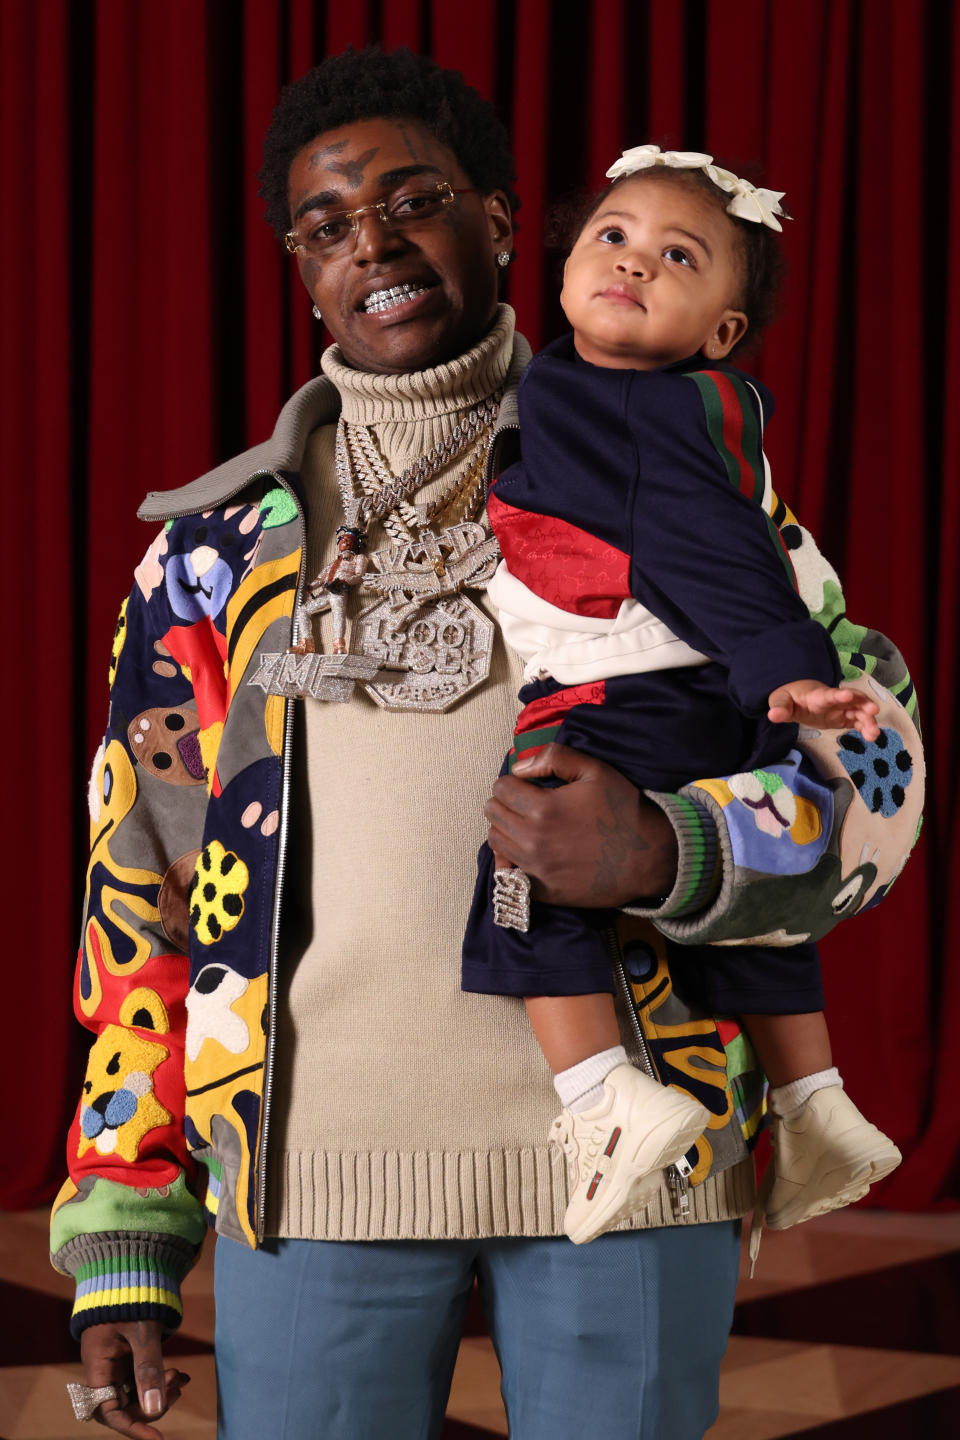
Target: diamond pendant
[445, 648]
[312, 676]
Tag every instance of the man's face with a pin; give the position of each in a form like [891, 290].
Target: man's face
[443, 271]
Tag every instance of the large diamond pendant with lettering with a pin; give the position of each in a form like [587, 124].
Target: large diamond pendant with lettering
[444, 648]
[311, 676]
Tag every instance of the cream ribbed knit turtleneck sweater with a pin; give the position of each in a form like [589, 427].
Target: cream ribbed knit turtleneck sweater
[404, 1107]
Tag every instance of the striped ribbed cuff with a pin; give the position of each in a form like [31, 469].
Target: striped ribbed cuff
[126, 1277]
[699, 869]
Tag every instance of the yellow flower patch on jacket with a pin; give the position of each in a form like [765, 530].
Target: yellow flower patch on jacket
[216, 892]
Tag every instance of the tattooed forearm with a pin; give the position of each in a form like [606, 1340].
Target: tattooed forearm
[621, 842]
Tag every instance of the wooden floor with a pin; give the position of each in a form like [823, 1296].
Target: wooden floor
[850, 1330]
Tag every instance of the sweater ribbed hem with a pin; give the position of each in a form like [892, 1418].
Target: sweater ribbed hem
[388, 1195]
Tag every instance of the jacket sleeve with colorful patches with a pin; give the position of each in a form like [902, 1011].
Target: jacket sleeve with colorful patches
[179, 861]
[131, 1179]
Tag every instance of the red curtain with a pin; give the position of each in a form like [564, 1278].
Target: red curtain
[152, 327]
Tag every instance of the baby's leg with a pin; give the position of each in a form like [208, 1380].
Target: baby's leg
[571, 1028]
[825, 1154]
[580, 1040]
[619, 1128]
[790, 1046]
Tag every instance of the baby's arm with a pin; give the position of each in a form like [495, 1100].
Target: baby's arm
[706, 557]
[810, 702]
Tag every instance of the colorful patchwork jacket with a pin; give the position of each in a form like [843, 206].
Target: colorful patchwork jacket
[189, 804]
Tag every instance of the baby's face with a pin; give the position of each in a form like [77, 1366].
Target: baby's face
[654, 277]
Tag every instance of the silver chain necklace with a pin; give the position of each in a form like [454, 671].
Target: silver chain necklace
[385, 491]
[362, 463]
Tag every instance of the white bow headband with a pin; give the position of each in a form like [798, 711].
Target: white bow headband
[748, 203]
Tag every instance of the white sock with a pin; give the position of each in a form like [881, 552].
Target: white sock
[582, 1085]
[787, 1100]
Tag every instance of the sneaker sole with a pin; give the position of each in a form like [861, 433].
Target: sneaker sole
[642, 1170]
[860, 1174]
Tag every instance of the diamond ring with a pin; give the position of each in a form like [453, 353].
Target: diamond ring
[86, 1398]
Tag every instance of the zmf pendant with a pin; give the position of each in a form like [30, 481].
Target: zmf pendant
[445, 648]
[312, 676]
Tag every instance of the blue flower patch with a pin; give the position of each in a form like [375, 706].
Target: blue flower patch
[203, 569]
[880, 769]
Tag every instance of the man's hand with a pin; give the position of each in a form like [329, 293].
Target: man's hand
[808, 702]
[130, 1352]
[595, 841]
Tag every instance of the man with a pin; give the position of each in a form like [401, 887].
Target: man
[368, 1138]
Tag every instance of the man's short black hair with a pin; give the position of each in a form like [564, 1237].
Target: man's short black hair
[363, 84]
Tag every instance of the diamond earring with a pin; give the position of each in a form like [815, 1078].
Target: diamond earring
[503, 258]
[316, 314]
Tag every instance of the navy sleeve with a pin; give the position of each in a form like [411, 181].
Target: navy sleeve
[705, 556]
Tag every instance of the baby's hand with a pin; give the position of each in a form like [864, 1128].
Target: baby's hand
[809, 702]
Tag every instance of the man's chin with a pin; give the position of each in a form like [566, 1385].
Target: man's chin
[401, 346]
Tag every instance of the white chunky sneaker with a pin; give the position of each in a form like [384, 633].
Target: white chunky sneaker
[616, 1150]
[824, 1157]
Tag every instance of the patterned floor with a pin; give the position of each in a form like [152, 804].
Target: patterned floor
[851, 1330]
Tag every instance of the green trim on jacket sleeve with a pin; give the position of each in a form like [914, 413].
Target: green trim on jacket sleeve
[780, 855]
[751, 905]
[700, 868]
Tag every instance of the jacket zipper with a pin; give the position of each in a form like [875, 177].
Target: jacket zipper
[492, 453]
[273, 977]
[678, 1174]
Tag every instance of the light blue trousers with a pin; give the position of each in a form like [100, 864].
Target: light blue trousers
[621, 1338]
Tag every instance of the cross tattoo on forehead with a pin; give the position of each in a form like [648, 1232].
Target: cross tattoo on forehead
[352, 170]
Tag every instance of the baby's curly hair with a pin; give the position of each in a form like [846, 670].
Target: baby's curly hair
[762, 263]
[363, 84]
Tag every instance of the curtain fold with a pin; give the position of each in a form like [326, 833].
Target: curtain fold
[153, 327]
[39, 584]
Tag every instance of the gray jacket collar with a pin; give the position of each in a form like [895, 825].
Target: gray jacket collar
[316, 403]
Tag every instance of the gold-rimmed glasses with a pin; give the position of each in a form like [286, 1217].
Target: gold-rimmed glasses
[319, 232]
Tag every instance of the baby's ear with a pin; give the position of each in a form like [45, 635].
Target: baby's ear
[731, 328]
